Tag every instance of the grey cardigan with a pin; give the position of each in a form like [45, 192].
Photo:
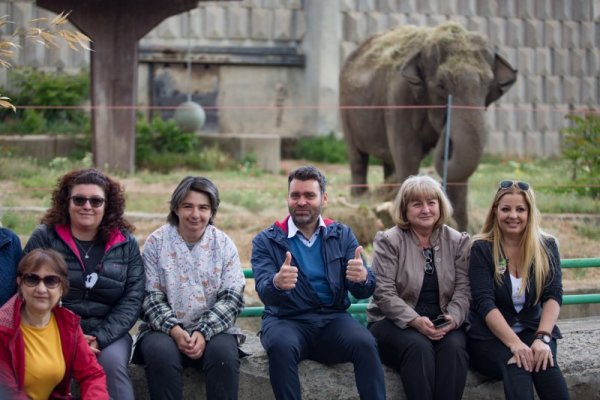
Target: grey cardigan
[399, 271]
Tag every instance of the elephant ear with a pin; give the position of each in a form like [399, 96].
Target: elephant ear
[411, 71]
[504, 77]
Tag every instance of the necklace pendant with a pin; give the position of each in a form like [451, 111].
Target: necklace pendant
[86, 256]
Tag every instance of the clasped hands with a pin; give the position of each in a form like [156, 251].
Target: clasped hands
[287, 276]
[536, 357]
[192, 345]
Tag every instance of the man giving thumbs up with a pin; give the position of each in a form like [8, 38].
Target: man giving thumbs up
[304, 267]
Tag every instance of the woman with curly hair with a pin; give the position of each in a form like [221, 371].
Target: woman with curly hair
[85, 223]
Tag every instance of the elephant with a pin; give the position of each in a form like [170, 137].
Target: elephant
[393, 93]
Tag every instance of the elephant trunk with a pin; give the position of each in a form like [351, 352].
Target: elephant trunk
[467, 139]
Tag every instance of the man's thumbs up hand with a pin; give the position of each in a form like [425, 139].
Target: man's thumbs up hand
[287, 276]
[356, 271]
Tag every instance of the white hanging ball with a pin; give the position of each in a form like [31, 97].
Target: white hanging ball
[190, 116]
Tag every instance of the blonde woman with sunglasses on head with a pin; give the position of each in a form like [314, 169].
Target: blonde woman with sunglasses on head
[86, 224]
[516, 289]
[42, 346]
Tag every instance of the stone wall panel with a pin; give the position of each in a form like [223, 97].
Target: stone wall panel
[282, 27]
[578, 62]
[477, 24]
[533, 88]
[542, 119]
[388, 6]
[261, 23]
[506, 9]
[571, 89]
[552, 89]
[588, 91]
[551, 144]
[376, 22]
[588, 30]
[497, 30]
[543, 9]
[515, 143]
[582, 10]
[561, 61]
[407, 6]
[426, 6]
[237, 22]
[487, 8]
[570, 34]
[543, 61]
[534, 33]
[514, 32]
[525, 61]
[355, 26]
[448, 7]
[468, 7]
[526, 9]
[552, 34]
[534, 144]
[366, 5]
[562, 9]
[524, 117]
[496, 143]
[215, 22]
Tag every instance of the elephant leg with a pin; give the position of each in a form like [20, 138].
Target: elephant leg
[388, 172]
[457, 193]
[359, 164]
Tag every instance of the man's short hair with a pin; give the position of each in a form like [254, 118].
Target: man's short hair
[308, 173]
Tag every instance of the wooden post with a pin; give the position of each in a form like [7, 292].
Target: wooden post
[115, 27]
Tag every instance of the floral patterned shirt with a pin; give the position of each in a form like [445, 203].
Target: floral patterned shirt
[200, 289]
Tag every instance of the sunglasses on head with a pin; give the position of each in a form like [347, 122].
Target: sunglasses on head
[80, 201]
[429, 265]
[50, 281]
[508, 184]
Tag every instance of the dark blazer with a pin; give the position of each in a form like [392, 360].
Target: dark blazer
[487, 294]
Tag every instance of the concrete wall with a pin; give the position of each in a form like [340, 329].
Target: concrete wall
[288, 53]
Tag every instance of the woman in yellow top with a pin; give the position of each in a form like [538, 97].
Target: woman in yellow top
[41, 343]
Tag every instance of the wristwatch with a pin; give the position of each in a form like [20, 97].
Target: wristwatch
[544, 337]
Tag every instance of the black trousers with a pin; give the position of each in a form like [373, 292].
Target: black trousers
[164, 365]
[490, 358]
[428, 369]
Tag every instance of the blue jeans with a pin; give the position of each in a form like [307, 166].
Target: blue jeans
[328, 339]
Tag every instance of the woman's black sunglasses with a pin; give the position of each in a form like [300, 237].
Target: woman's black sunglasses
[50, 281]
[95, 202]
[429, 264]
[508, 184]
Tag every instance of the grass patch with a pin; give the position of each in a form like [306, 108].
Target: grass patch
[588, 230]
[19, 222]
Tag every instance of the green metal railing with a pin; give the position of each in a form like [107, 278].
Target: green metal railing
[359, 308]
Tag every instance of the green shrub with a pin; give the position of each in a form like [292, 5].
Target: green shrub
[161, 135]
[581, 146]
[327, 149]
[38, 88]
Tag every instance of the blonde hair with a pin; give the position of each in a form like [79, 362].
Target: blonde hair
[417, 187]
[533, 244]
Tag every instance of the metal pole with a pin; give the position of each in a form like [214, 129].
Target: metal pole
[189, 56]
[447, 142]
